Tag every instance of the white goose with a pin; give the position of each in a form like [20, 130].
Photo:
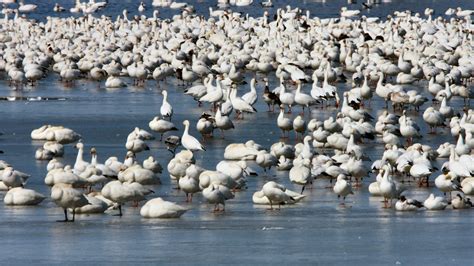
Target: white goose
[67, 197]
[251, 96]
[342, 187]
[286, 98]
[23, 196]
[223, 122]
[387, 186]
[284, 123]
[159, 208]
[189, 142]
[303, 99]
[435, 203]
[80, 165]
[276, 194]
[166, 110]
[240, 105]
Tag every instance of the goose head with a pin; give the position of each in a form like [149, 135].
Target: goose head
[79, 146]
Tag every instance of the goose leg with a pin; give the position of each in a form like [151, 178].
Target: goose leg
[73, 214]
[65, 217]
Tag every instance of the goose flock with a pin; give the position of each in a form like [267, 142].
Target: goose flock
[419, 65]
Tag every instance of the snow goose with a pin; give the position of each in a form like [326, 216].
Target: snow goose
[461, 148]
[26, 8]
[214, 195]
[299, 126]
[189, 183]
[223, 122]
[381, 90]
[121, 193]
[408, 128]
[251, 96]
[198, 91]
[159, 208]
[342, 188]
[58, 8]
[446, 93]
[433, 87]
[433, 203]
[284, 123]
[214, 94]
[23, 196]
[445, 110]
[153, 165]
[433, 118]
[166, 110]
[286, 98]
[276, 194]
[284, 164]
[65, 196]
[303, 99]
[12, 178]
[141, 7]
[300, 173]
[447, 183]
[205, 125]
[387, 186]
[265, 160]
[240, 105]
[461, 203]
[468, 186]
[404, 204]
[161, 126]
[189, 142]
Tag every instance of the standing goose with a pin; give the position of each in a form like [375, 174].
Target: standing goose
[251, 96]
[270, 98]
[223, 122]
[80, 165]
[365, 90]
[433, 118]
[387, 187]
[121, 193]
[284, 123]
[166, 110]
[214, 196]
[303, 99]
[214, 94]
[300, 173]
[67, 197]
[161, 126]
[342, 187]
[189, 142]
[286, 98]
[240, 105]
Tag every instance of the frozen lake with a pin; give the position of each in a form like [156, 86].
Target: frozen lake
[315, 231]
